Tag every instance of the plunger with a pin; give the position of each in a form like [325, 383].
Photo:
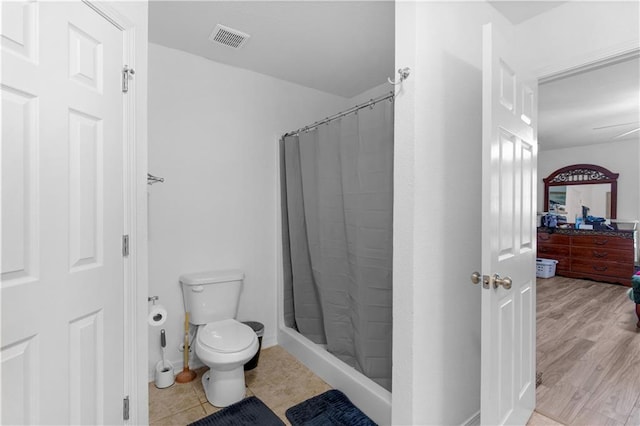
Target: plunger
[186, 375]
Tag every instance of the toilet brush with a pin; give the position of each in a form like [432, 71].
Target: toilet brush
[186, 375]
[163, 345]
[164, 369]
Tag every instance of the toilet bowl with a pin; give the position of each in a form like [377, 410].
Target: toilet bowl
[222, 343]
[225, 346]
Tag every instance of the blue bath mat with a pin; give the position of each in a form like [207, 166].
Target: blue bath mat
[248, 412]
[331, 408]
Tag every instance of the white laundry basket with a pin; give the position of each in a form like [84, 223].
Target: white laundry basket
[545, 268]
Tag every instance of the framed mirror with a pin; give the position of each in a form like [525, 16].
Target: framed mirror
[569, 189]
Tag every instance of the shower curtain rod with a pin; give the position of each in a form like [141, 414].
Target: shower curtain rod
[351, 110]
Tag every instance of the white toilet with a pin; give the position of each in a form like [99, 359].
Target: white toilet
[222, 343]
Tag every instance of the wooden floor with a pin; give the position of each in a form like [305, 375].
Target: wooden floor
[588, 350]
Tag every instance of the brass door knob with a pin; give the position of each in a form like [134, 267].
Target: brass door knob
[504, 282]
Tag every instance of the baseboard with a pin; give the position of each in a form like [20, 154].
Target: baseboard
[269, 341]
[473, 420]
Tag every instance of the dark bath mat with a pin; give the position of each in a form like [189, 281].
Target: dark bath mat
[331, 408]
[248, 412]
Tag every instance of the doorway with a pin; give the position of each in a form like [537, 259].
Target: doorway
[585, 327]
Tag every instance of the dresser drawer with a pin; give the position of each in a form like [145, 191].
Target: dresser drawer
[546, 238]
[602, 253]
[602, 241]
[550, 250]
[563, 265]
[613, 269]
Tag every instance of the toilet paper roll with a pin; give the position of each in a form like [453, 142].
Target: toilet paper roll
[157, 315]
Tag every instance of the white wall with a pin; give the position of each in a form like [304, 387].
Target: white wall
[437, 212]
[213, 132]
[577, 32]
[375, 92]
[619, 157]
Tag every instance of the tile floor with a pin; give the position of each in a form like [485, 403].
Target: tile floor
[280, 381]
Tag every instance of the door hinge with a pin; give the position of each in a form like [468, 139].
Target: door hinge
[125, 245]
[127, 74]
[125, 408]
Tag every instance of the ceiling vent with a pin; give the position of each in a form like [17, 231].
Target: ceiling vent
[228, 37]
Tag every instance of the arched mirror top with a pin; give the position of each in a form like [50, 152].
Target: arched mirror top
[600, 180]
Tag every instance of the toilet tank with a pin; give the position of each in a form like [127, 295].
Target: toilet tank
[212, 295]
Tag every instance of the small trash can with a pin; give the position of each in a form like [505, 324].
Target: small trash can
[259, 329]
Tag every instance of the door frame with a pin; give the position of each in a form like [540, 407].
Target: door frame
[579, 63]
[582, 63]
[135, 284]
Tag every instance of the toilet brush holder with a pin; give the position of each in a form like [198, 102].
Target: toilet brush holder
[164, 374]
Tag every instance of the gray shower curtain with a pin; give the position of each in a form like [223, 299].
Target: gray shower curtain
[337, 194]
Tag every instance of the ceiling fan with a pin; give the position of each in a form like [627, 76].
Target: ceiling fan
[621, 135]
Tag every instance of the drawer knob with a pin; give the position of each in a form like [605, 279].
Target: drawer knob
[600, 268]
[600, 254]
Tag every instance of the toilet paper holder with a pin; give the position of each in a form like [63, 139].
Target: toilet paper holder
[157, 312]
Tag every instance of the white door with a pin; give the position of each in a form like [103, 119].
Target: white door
[508, 235]
[62, 215]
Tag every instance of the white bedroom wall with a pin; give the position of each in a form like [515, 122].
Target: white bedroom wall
[213, 132]
[619, 157]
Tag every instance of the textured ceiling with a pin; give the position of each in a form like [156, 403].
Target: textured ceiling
[596, 106]
[339, 47]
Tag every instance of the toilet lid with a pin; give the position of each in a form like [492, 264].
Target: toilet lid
[226, 336]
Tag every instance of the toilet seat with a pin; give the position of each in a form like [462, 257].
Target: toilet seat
[226, 336]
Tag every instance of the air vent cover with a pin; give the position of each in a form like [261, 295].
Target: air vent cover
[228, 37]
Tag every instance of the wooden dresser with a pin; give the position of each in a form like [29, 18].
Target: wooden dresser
[599, 255]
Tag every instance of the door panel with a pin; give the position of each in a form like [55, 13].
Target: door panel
[508, 235]
[19, 29]
[62, 215]
[20, 264]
